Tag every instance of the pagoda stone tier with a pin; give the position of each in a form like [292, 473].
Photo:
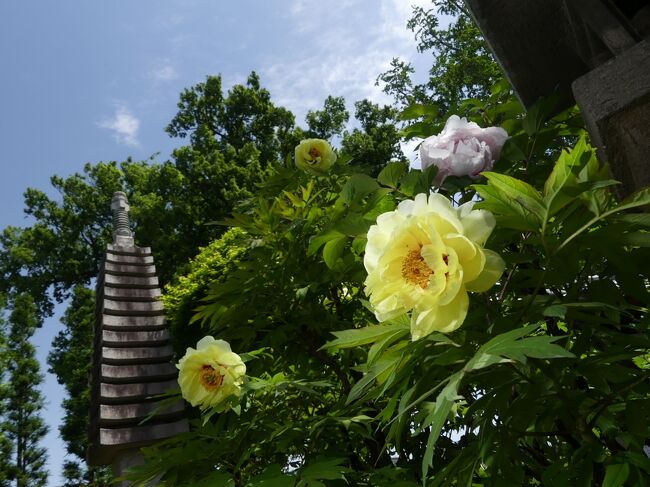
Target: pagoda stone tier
[132, 360]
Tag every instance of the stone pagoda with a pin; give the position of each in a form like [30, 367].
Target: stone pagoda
[132, 359]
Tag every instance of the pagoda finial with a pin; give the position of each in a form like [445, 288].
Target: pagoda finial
[122, 234]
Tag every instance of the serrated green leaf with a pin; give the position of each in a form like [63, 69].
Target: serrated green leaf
[363, 336]
[391, 174]
[516, 202]
[539, 113]
[534, 347]
[358, 186]
[418, 110]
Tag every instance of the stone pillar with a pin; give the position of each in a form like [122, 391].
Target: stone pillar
[614, 100]
[593, 52]
[132, 359]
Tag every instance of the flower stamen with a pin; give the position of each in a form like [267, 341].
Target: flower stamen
[415, 270]
[210, 378]
[314, 153]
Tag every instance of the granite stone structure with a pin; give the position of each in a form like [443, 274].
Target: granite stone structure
[593, 52]
[132, 358]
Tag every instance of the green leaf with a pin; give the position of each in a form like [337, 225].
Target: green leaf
[319, 240]
[358, 186]
[391, 174]
[635, 239]
[534, 347]
[352, 225]
[387, 363]
[437, 419]
[322, 469]
[539, 113]
[272, 477]
[616, 474]
[409, 182]
[363, 336]
[418, 110]
[511, 346]
[416, 181]
[561, 187]
[640, 198]
[333, 251]
[517, 202]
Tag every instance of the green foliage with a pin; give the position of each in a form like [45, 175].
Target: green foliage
[21, 402]
[212, 265]
[544, 384]
[463, 66]
[323, 124]
[377, 141]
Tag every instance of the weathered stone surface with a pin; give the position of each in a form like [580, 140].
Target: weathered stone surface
[116, 414]
[615, 103]
[135, 323]
[129, 270]
[122, 393]
[129, 259]
[132, 355]
[131, 294]
[115, 440]
[116, 374]
[134, 338]
[128, 250]
[130, 281]
[136, 355]
[133, 308]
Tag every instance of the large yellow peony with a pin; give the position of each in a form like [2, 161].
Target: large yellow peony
[315, 155]
[210, 375]
[424, 257]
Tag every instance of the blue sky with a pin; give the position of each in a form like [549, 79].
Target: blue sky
[85, 81]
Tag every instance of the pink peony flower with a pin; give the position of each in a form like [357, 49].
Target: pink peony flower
[462, 149]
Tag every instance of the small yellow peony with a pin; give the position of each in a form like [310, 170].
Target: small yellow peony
[315, 155]
[211, 374]
[424, 257]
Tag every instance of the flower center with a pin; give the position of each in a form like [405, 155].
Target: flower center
[314, 153]
[415, 270]
[210, 378]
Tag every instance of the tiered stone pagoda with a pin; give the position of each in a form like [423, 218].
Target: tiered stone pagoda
[132, 358]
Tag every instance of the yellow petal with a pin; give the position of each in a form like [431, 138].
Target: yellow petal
[494, 266]
[477, 224]
[443, 319]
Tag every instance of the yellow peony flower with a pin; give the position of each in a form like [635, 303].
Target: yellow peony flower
[315, 155]
[424, 257]
[211, 374]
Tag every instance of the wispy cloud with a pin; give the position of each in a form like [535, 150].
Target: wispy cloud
[164, 71]
[123, 125]
[349, 47]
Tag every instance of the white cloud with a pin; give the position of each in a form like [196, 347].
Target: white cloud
[123, 125]
[340, 51]
[163, 72]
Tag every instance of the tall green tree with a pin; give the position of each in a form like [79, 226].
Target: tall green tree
[23, 422]
[377, 141]
[5, 442]
[70, 360]
[463, 66]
